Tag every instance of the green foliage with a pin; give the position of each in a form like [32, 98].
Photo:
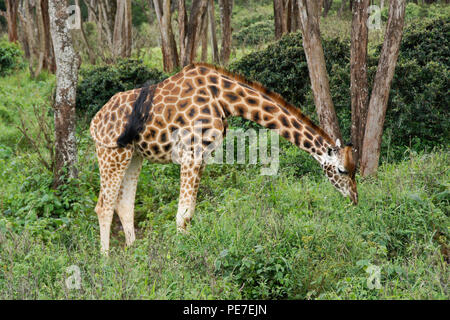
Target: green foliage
[418, 114]
[416, 12]
[99, 83]
[256, 33]
[252, 237]
[10, 57]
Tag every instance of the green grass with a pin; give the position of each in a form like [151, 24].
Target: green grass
[283, 237]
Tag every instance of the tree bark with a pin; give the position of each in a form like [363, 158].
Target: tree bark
[226, 9]
[326, 7]
[204, 36]
[278, 9]
[67, 63]
[11, 18]
[312, 44]
[197, 10]
[382, 84]
[49, 60]
[342, 8]
[168, 45]
[359, 86]
[212, 30]
[122, 38]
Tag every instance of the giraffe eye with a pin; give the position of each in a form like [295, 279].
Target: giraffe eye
[342, 172]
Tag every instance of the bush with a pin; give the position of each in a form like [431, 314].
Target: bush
[10, 57]
[256, 33]
[100, 83]
[417, 115]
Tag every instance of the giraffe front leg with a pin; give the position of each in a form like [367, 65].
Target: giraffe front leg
[190, 176]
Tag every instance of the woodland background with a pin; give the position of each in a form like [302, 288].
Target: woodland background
[290, 236]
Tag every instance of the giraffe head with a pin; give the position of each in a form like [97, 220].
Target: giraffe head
[340, 167]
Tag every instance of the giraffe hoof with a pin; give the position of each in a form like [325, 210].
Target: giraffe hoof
[182, 230]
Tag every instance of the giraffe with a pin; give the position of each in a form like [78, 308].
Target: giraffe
[140, 123]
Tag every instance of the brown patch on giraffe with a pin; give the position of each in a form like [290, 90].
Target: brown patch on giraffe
[187, 88]
[200, 81]
[201, 100]
[183, 104]
[175, 91]
[169, 113]
[231, 97]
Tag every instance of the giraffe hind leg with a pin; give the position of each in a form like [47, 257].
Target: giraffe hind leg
[125, 199]
[113, 164]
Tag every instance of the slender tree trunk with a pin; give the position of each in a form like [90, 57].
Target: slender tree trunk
[358, 74]
[226, 9]
[382, 84]
[312, 44]
[49, 60]
[197, 10]
[122, 39]
[182, 24]
[212, 30]
[278, 8]
[27, 21]
[204, 36]
[67, 63]
[326, 7]
[11, 18]
[295, 20]
[168, 45]
[342, 8]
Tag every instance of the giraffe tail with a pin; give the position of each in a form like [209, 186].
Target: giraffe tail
[138, 117]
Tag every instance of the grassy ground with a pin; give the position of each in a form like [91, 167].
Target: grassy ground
[252, 237]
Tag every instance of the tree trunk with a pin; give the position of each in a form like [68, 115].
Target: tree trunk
[382, 84]
[204, 36]
[295, 20]
[326, 7]
[168, 45]
[11, 18]
[226, 9]
[358, 74]
[197, 10]
[49, 60]
[29, 39]
[278, 16]
[212, 30]
[122, 39]
[67, 63]
[182, 25]
[312, 44]
[342, 8]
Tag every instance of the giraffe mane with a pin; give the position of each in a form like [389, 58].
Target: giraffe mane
[273, 95]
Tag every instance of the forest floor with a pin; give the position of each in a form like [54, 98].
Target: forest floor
[289, 236]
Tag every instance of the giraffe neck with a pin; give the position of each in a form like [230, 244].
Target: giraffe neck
[253, 102]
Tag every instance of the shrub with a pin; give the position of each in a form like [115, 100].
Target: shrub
[10, 57]
[256, 33]
[100, 83]
[417, 113]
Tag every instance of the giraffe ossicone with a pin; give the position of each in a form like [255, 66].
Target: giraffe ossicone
[144, 123]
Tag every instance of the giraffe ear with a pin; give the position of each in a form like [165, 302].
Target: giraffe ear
[338, 143]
